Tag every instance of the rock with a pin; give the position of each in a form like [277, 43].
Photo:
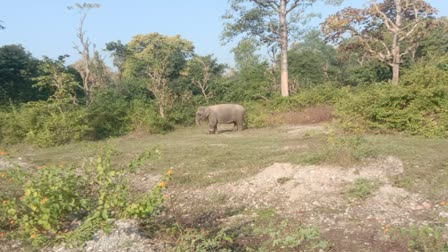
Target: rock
[443, 214]
[124, 237]
[418, 208]
[427, 205]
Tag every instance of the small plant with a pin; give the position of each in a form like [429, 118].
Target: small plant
[50, 200]
[297, 237]
[283, 180]
[267, 213]
[143, 157]
[312, 158]
[422, 238]
[201, 241]
[145, 207]
[363, 188]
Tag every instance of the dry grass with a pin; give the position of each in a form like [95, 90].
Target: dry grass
[311, 115]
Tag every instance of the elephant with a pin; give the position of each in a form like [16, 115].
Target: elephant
[222, 113]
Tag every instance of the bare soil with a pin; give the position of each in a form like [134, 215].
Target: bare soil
[316, 195]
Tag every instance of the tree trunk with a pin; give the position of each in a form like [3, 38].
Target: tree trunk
[395, 73]
[284, 49]
[396, 60]
[396, 57]
[161, 110]
[204, 93]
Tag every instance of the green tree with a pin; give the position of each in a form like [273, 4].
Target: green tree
[55, 76]
[17, 70]
[203, 71]
[249, 80]
[435, 41]
[159, 59]
[119, 53]
[386, 30]
[270, 22]
[312, 61]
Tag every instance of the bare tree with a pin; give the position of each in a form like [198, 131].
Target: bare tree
[203, 70]
[387, 31]
[84, 68]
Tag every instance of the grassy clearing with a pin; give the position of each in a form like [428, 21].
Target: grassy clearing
[200, 159]
[425, 163]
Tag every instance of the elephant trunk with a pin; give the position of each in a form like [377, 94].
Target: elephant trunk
[198, 121]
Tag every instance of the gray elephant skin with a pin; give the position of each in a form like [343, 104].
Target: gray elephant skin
[222, 114]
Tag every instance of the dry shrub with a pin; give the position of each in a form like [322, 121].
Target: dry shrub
[310, 115]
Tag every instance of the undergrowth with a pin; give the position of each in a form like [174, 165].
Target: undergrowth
[55, 203]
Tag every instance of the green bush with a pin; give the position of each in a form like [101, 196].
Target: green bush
[321, 94]
[417, 106]
[182, 114]
[413, 109]
[257, 114]
[49, 124]
[141, 116]
[108, 114]
[44, 124]
[50, 200]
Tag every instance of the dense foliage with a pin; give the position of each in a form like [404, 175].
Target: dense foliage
[416, 107]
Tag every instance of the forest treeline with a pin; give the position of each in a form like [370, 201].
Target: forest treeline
[158, 81]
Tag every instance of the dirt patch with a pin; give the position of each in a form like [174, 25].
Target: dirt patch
[6, 164]
[310, 115]
[143, 182]
[303, 130]
[317, 195]
[125, 236]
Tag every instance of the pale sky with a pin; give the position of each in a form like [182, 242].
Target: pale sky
[48, 28]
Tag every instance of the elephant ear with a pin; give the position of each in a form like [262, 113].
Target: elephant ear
[206, 112]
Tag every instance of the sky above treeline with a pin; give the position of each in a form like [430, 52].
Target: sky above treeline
[48, 28]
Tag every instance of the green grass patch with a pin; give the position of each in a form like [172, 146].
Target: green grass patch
[421, 238]
[362, 188]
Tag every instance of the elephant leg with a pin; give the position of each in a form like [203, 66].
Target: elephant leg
[235, 126]
[240, 125]
[213, 127]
